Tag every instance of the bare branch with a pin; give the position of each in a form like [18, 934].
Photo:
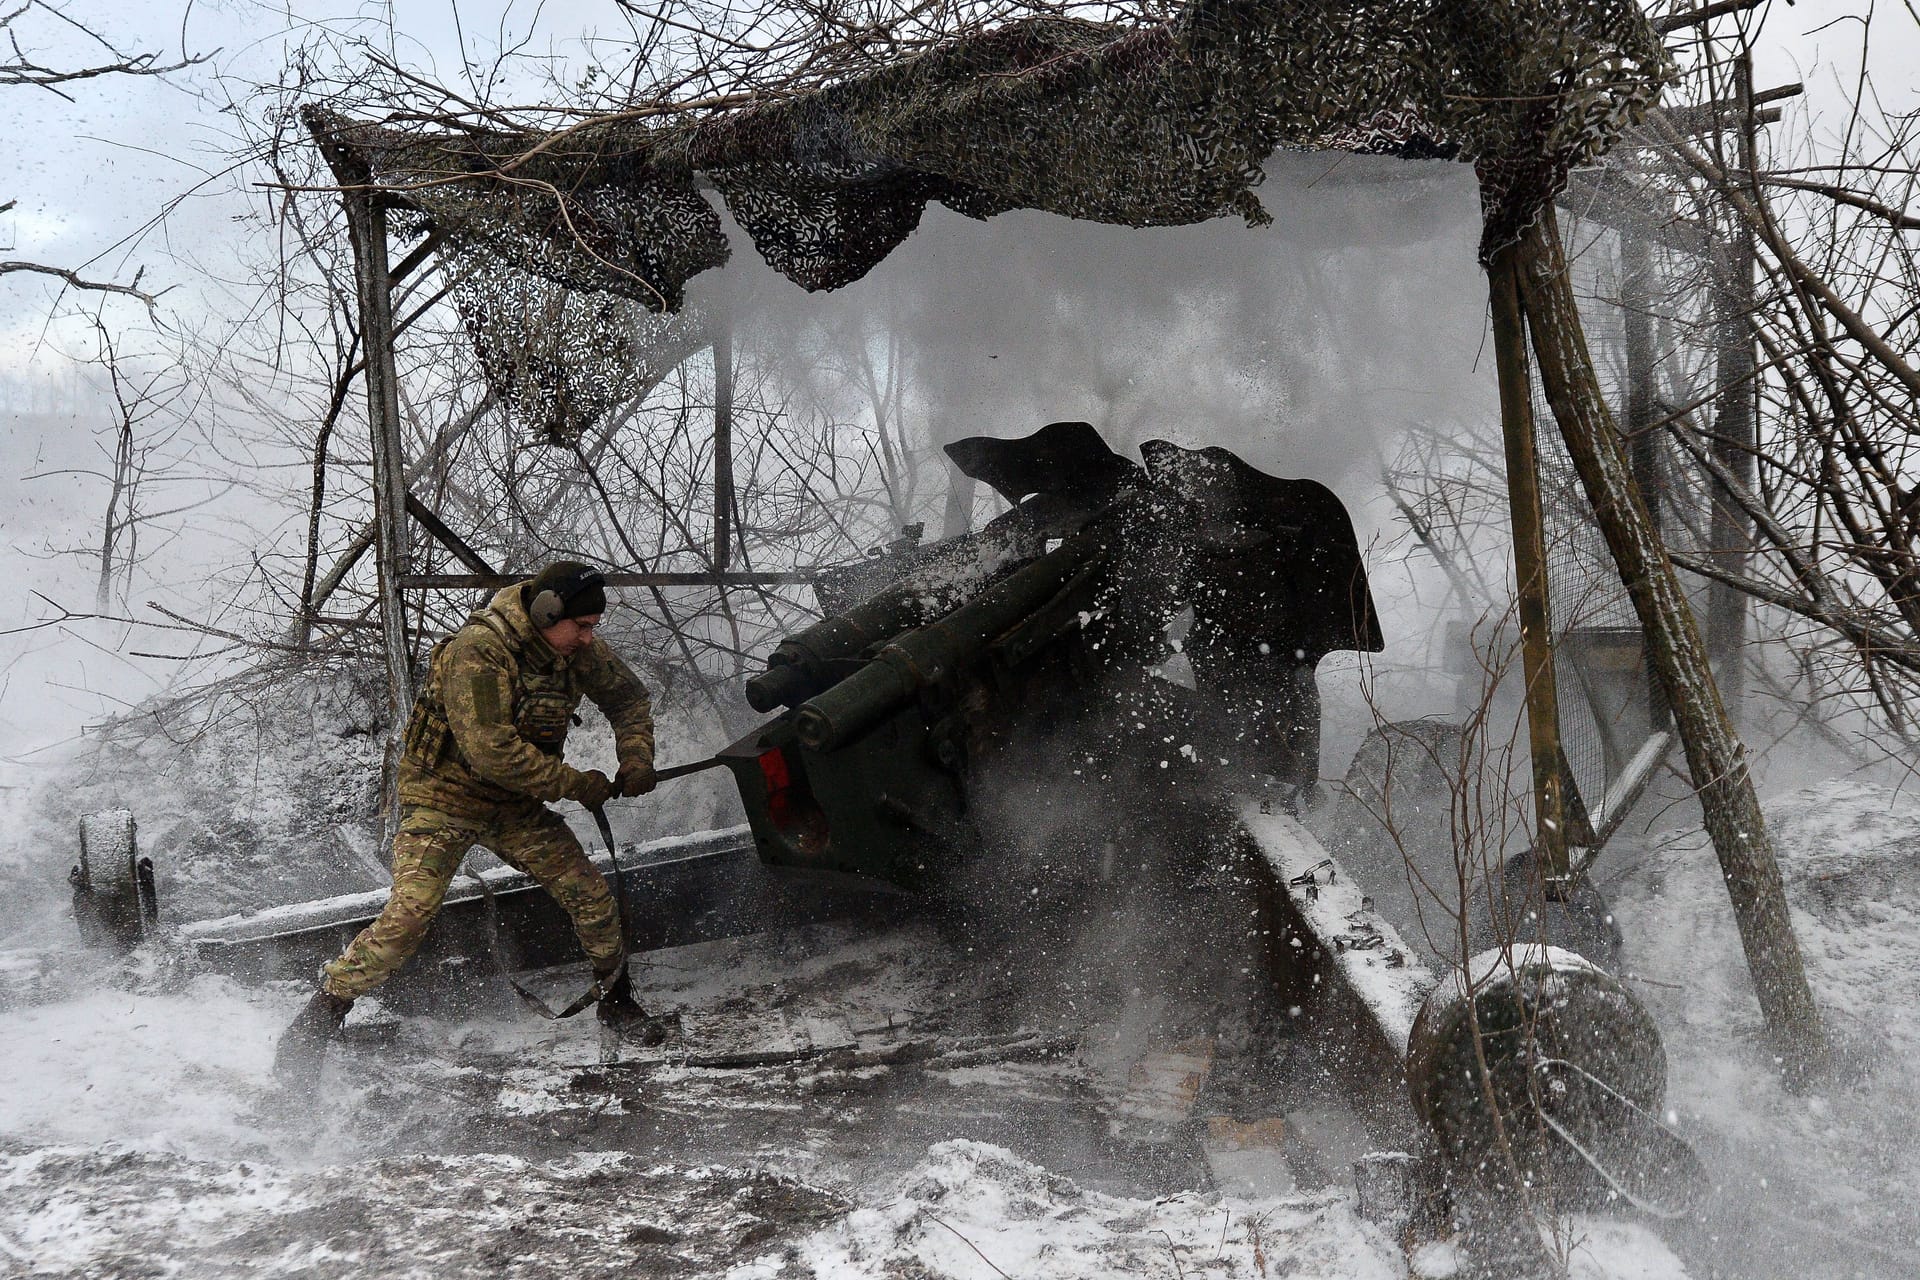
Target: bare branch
[75, 281]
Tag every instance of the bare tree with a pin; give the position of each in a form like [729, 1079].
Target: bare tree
[1803, 445]
[145, 447]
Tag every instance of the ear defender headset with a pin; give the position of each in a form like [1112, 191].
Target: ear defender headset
[549, 604]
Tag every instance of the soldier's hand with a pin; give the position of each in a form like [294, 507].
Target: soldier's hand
[593, 789]
[636, 779]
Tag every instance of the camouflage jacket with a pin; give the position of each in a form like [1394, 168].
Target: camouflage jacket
[490, 722]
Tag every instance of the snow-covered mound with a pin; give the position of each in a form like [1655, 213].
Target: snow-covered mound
[1810, 1185]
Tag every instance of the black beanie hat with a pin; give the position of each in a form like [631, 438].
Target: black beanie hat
[565, 589]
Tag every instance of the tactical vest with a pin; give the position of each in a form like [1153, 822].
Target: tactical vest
[542, 711]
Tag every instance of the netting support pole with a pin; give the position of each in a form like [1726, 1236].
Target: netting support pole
[1715, 756]
[367, 226]
[1733, 426]
[1643, 400]
[722, 444]
[1530, 572]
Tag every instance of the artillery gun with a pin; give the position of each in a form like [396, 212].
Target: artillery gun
[1032, 647]
[1024, 665]
[1025, 657]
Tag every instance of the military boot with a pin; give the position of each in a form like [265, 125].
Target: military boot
[305, 1040]
[619, 1011]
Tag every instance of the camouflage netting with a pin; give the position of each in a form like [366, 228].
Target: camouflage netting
[1167, 124]
[563, 357]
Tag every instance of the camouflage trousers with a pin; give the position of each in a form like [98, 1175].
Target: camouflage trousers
[427, 853]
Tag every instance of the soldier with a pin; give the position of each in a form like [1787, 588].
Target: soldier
[481, 758]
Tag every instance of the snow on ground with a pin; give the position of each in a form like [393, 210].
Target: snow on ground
[107, 1212]
[142, 1134]
[1819, 1184]
[969, 1204]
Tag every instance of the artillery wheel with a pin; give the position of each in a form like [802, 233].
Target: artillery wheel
[113, 897]
[1538, 1011]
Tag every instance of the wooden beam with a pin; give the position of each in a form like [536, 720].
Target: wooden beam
[363, 536]
[722, 442]
[411, 263]
[1707, 117]
[1734, 112]
[1608, 196]
[367, 226]
[1705, 13]
[1643, 410]
[1731, 532]
[446, 537]
[1530, 571]
[1715, 757]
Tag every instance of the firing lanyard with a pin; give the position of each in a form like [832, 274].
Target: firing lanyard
[598, 988]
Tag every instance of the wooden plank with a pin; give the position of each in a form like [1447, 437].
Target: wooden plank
[1627, 787]
[1705, 13]
[1162, 1088]
[769, 1037]
[445, 536]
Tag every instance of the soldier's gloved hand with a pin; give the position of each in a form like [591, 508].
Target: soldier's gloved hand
[593, 789]
[636, 779]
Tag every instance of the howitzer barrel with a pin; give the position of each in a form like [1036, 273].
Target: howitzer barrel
[804, 664]
[935, 651]
[801, 664]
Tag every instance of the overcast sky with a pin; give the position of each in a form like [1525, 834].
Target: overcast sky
[91, 176]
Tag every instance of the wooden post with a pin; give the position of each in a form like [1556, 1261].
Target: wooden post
[1636, 306]
[722, 444]
[1530, 572]
[1733, 427]
[367, 225]
[1714, 752]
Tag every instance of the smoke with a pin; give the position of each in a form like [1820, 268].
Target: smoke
[1302, 346]
[1309, 347]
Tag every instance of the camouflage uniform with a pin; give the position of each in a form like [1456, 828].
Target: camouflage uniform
[482, 753]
